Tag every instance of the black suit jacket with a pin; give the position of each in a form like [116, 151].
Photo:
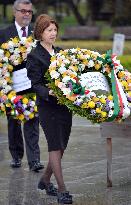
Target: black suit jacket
[11, 32]
[38, 62]
[5, 35]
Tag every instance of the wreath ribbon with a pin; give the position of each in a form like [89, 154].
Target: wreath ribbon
[115, 97]
[119, 96]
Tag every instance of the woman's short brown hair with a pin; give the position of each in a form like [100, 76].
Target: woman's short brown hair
[42, 22]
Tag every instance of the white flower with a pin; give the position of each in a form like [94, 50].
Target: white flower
[16, 112]
[79, 100]
[24, 106]
[32, 103]
[16, 51]
[126, 112]
[13, 98]
[1, 53]
[16, 62]
[90, 64]
[23, 40]
[66, 91]
[73, 50]
[10, 45]
[5, 59]
[62, 69]
[66, 79]
[111, 104]
[27, 113]
[110, 113]
[54, 74]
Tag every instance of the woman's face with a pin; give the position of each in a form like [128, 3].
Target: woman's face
[49, 34]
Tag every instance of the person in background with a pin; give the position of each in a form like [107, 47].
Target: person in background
[55, 119]
[22, 10]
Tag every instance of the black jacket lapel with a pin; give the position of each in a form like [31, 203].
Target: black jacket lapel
[30, 30]
[12, 31]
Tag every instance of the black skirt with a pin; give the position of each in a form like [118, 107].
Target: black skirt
[56, 121]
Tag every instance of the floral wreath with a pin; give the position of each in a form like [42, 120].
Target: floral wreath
[72, 74]
[13, 53]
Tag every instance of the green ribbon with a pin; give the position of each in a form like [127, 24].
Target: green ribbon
[115, 98]
[77, 88]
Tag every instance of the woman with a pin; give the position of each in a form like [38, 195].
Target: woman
[55, 119]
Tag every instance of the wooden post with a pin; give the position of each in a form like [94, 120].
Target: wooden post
[109, 162]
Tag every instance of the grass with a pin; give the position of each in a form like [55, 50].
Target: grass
[100, 46]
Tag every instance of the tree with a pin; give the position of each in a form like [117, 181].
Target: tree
[122, 16]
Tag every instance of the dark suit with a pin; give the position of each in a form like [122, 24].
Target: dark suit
[55, 119]
[31, 127]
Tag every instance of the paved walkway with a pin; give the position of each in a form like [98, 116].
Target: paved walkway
[84, 167]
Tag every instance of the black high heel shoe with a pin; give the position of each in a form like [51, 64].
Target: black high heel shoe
[50, 189]
[64, 198]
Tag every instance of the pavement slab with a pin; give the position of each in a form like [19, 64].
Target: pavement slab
[84, 167]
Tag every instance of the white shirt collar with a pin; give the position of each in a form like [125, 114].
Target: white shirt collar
[18, 27]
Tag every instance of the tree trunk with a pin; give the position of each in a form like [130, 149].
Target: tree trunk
[76, 12]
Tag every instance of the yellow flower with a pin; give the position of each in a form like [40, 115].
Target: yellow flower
[15, 40]
[12, 112]
[95, 99]
[64, 74]
[35, 108]
[102, 100]
[91, 104]
[84, 105]
[103, 55]
[4, 45]
[7, 54]
[21, 117]
[34, 97]
[129, 93]
[85, 61]
[1, 65]
[10, 68]
[31, 115]
[25, 100]
[121, 74]
[57, 82]
[72, 75]
[97, 66]
[8, 104]
[124, 83]
[74, 68]
[88, 52]
[29, 39]
[98, 110]
[51, 68]
[2, 108]
[53, 58]
[78, 49]
[22, 49]
[103, 114]
[71, 97]
[10, 81]
[110, 97]
[128, 80]
[7, 79]
[11, 94]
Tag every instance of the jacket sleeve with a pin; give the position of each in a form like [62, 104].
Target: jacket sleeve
[35, 74]
[2, 35]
